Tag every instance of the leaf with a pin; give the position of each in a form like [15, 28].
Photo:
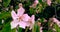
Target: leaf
[6, 27]
[20, 29]
[57, 28]
[42, 20]
[4, 15]
[6, 3]
[32, 11]
[13, 30]
[40, 1]
[36, 28]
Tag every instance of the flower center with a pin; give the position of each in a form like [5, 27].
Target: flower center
[21, 18]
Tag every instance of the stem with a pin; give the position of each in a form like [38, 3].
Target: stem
[17, 28]
[33, 29]
[26, 30]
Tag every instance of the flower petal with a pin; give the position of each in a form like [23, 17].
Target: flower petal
[14, 24]
[55, 20]
[20, 11]
[13, 14]
[41, 29]
[32, 21]
[49, 2]
[22, 24]
[36, 2]
[33, 18]
[26, 17]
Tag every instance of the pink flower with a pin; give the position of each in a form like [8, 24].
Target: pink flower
[22, 20]
[31, 22]
[49, 2]
[56, 21]
[36, 2]
[19, 19]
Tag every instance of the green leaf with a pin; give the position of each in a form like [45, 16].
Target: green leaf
[20, 29]
[5, 15]
[40, 1]
[32, 11]
[6, 27]
[57, 28]
[13, 30]
[36, 28]
[42, 20]
[6, 3]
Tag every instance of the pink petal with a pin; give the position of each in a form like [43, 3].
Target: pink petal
[14, 24]
[13, 14]
[20, 11]
[55, 20]
[22, 24]
[49, 2]
[26, 17]
[33, 18]
[31, 26]
[58, 23]
[36, 2]
[41, 29]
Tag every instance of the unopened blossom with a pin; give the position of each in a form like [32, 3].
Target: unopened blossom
[20, 5]
[2, 21]
[11, 7]
[34, 4]
[41, 29]
[39, 19]
[49, 2]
